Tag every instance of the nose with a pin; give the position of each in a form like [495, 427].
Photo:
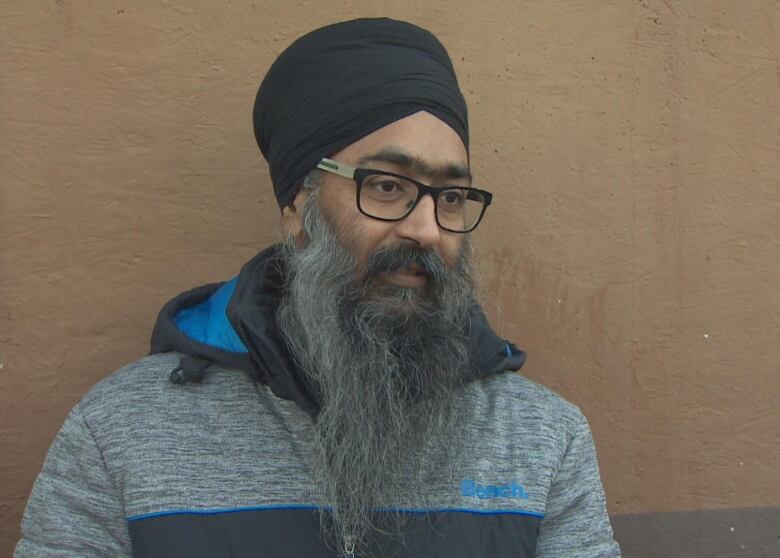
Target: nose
[420, 225]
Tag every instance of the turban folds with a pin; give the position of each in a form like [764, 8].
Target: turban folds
[339, 83]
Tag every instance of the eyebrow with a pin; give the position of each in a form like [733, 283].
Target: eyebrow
[401, 158]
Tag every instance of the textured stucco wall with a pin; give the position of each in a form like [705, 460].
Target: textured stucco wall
[633, 249]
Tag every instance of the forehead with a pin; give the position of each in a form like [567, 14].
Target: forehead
[420, 143]
[401, 159]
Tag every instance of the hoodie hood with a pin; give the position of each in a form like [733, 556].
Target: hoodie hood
[233, 324]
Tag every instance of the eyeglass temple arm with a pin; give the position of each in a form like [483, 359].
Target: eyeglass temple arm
[337, 168]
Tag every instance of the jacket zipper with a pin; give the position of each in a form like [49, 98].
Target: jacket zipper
[349, 547]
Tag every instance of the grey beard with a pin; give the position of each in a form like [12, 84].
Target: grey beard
[386, 362]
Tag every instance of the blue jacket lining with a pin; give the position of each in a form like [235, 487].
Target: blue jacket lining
[208, 323]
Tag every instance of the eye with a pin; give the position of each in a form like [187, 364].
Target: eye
[452, 198]
[386, 186]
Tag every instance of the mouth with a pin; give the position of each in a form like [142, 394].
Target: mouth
[412, 276]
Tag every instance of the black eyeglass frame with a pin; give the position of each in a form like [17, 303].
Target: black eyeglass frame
[360, 174]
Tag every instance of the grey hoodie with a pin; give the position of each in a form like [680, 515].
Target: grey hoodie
[150, 464]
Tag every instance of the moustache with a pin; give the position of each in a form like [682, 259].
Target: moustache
[419, 260]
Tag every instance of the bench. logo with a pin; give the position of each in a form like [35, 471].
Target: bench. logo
[471, 489]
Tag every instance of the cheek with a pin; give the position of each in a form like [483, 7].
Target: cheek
[450, 248]
[370, 237]
[360, 235]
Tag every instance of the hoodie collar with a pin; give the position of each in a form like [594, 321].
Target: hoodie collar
[233, 324]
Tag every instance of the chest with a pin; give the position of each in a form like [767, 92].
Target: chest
[228, 488]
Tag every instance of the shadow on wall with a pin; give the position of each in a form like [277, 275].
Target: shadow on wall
[728, 533]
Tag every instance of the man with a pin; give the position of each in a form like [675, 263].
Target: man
[377, 413]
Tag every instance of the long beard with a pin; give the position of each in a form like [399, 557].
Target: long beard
[385, 361]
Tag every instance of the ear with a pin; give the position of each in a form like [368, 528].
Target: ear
[292, 217]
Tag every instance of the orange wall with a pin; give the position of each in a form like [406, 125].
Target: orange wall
[633, 248]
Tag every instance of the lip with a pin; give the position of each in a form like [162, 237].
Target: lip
[407, 278]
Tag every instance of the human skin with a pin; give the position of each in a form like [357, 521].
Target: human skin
[419, 146]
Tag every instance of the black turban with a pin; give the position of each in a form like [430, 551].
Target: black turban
[339, 83]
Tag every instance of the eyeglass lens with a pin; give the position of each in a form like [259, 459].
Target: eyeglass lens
[390, 197]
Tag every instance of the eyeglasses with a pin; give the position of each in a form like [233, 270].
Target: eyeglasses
[391, 197]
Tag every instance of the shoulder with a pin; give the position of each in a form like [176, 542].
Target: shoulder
[523, 414]
[142, 391]
[143, 371]
[139, 380]
[516, 396]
